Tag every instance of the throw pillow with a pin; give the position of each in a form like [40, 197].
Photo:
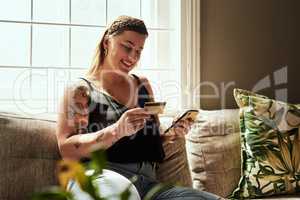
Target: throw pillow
[174, 168]
[213, 148]
[270, 145]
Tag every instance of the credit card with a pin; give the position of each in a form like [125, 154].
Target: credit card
[155, 107]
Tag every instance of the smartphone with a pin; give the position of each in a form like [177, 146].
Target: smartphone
[155, 107]
[189, 114]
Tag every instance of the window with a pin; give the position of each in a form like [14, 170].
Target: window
[46, 44]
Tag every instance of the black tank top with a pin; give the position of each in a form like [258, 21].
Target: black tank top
[145, 145]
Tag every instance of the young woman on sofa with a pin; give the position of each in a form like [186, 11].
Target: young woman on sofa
[104, 111]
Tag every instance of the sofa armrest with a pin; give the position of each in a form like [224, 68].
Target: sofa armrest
[28, 155]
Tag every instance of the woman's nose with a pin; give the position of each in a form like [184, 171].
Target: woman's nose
[133, 57]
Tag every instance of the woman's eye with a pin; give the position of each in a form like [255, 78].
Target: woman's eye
[128, 49]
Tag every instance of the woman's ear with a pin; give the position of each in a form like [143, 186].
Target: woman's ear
[105, 42]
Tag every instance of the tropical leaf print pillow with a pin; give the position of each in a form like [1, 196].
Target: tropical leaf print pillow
[270, 146]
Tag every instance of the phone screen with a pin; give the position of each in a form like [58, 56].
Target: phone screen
[192, 114]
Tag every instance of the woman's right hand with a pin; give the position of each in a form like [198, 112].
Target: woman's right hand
[132, 121]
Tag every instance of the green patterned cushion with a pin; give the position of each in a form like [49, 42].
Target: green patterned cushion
[270, 146]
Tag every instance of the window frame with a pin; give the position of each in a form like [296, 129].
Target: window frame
[190, 54]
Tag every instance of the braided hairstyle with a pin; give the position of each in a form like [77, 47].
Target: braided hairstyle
[118, 26]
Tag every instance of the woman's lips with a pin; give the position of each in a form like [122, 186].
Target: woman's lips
[127, 64]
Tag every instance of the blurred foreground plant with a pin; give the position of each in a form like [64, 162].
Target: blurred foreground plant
[84, 174]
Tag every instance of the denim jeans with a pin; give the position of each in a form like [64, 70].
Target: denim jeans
[146, 180]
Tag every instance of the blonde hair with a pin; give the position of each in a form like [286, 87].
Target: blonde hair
[118, 26]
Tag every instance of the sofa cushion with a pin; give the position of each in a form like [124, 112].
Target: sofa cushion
[174, 168]
[270, 146]
[213, 148]
[28, 154]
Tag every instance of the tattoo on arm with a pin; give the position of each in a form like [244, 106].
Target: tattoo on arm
[77, 145]
[78, 109]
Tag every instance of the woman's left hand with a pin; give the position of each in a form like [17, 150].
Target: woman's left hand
[179, 130]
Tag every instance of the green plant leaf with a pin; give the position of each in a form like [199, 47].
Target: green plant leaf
[91, 189]
[125, 194]
[98, 162]
[52, 193]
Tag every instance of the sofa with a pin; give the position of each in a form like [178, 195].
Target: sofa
[207, 159]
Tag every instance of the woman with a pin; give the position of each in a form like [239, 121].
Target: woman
[104, 111]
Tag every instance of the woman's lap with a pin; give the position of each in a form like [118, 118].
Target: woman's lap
[116, 179]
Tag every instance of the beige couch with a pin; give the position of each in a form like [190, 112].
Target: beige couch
[28, 154]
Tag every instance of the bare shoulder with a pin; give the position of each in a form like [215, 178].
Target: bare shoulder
[143, 79]
[79, 87]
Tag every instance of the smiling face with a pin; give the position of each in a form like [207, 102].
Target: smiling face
[123, 50]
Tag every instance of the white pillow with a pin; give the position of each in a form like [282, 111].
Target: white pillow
[110, 185]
